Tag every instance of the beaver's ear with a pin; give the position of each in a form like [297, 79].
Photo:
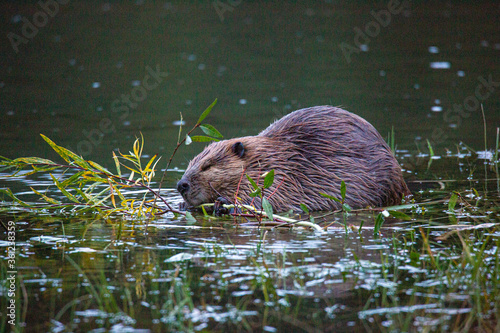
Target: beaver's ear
[238, 149]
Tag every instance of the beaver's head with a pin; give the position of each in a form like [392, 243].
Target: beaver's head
[216, 171]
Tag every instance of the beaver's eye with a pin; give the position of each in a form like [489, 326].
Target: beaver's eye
[205, 167]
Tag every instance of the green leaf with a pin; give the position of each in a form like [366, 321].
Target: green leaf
[9, 193]
[378, 223]
[63, 190]
[99, 167]
[255, 193]
[431, 151]
[117, 163]
[210, 130]
[453, 202]
[361, 226]
[346, 207]
[206, 112]
[399, 215]
[269, 179]
[202, 138]
[188, 140]
[33, 160]
[46, 198]
[268, 208]
[66, 154]
[304, 208]
[189, 218]
[254, 184]
[330, 197]
[342, 191]
[399, 207]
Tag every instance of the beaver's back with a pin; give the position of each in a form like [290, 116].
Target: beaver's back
[341, 146]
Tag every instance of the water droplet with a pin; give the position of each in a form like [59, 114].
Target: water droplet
[189, 102]
[191, 57]
[136, 83]
[243, 101]
[274, 99]
[461, 73]
[72, 62]
[440, 65]
[201, 67]
[96, 85]
[437, 101]
[178, 123]
[382, 73]
[484, 43]
[16, 18]
[416, 86]
[10, 112]
[433, 49]
[126, 123]
[364, 47]
[99, 108]
[437, 108]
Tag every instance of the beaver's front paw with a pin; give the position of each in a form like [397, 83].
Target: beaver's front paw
[183, 206]
[219, 208]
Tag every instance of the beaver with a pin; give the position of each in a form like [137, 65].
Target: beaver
[311, 151]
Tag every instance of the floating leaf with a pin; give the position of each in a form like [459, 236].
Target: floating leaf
[268, 208]
[210, 130]
[269, 179]
[206, 112]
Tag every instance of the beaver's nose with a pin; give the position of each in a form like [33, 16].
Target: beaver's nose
[183, 186]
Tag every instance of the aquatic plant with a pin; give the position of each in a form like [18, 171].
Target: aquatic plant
[89, 187]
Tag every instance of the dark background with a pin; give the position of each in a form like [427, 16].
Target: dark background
[261, 59]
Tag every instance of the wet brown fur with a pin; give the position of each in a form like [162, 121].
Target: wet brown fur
[313, 149]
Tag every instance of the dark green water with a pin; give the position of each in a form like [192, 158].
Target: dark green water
[70, 81]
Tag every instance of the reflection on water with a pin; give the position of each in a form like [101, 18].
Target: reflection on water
[94, 76]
